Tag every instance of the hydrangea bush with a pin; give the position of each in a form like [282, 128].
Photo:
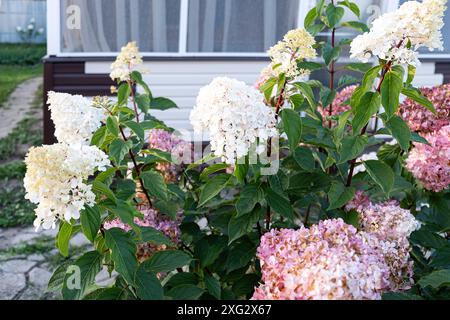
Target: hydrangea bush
[292, 202]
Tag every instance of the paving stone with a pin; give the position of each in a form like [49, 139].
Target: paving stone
[39, 278]
[31, 293]
[23, 238]
[36, 257]
[11, 284]
[17, 266]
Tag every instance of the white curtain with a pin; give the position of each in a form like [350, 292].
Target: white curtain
[106, 25]
[239, 25]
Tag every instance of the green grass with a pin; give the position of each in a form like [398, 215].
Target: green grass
[21, 54]
[12, 76]
[14, 209]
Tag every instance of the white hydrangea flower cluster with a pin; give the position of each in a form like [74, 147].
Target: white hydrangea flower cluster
[55, 180]
[296, 46]
[235, 116]
[56, 175]
[417, 23]
[74, 117]
[126, 61]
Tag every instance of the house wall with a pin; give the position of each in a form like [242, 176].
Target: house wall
[14, 13]
[182, 80]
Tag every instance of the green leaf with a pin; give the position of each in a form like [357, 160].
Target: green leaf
[102, 189]
[143, 102]
[241, 252]
[213, 286]
[56, 281]
[308, 182]
[168, 208]
[436, 279]
[280, 204]
[84, 270]
[137, 76]
[352, 6]
[366, 85]
[304, 158]
[428, 239]
[310, 65]
[154, 236]
[90, 222]
[310, 17]
[208, 249]
[292, 126]
[147, 285]
[355, 25]
[267, 88]
[352, 147]
[112, 125]
[334, 15]
[167, 261]
[401, 296]
[327, 96]
[123, 253]
[411, 74]
[330, 53]
[381, 173]
[339, 195]
[248, 198]
[441, 258]
[347, 80]
[62, 239]
[213, 187]
[400, 131]
[358, 67]
[181, 278]
[154, 184]
[123, 94]
[239, 226]
[213, 169]
[417, 96]
[390, 92]
[118, 150]
[306, 90]
[162, 104]
[297, 101]
[245, 285]
[185, 292]
[367, 107]
[136, 128]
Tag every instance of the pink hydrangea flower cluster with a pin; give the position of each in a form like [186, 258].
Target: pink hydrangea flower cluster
[152, 218]
[179, 149]
[339, 103]
[327, 261]
[421, 119]
[386, 227]
[430, 164]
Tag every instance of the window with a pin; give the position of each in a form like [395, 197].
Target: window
[238, 25]
[175, 26]
[106, 25]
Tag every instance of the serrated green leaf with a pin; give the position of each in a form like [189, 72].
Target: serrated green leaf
[213, 187]
[381, 173]
[293, 127]
[167, 261]
[90, 222]
[339, 195]
[123, 252]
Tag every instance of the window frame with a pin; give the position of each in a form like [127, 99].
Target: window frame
[54, 36]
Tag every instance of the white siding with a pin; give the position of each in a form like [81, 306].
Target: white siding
[181, 81]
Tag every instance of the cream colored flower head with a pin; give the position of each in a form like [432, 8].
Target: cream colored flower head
[127, 60]
[297, 45]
